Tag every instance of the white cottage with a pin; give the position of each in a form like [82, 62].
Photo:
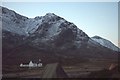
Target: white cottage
[31, 64]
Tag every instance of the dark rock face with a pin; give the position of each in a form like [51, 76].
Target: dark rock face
[64, 37]
[11, 40]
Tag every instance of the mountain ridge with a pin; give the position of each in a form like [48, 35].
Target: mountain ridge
[35, 22]
[106, 43]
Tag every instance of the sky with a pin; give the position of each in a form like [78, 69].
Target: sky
[94, 18]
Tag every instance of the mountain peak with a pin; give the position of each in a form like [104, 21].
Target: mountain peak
[50, 15]
[97, 37]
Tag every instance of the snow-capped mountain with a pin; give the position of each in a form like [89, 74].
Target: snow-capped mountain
[48, 36]
[105, 43]
[43, 29]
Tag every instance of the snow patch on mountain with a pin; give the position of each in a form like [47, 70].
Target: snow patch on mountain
[31, 25]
